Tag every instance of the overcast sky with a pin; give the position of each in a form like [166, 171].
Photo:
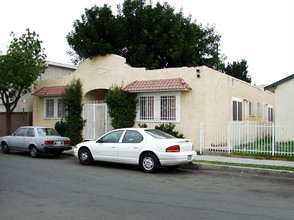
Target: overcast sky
[259, 31]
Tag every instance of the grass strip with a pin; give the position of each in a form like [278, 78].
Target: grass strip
[265, 156]
[246, 165]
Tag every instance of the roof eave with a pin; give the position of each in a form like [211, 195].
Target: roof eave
[274, 85]
[161, 90]
[48, 95]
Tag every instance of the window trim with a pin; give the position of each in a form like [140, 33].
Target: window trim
[157, 106]
[238, 100]
[270, 113]
[260, 109]
[252, 108]
[55, 108]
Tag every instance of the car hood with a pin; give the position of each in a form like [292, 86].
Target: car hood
[86, 143]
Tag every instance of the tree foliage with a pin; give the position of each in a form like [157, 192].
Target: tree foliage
[147, 36]
[122, 107]
[238, 70]
[19, 68]
[74, 124]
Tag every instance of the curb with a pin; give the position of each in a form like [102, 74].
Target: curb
[200, 166]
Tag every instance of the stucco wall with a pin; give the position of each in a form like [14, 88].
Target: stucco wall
[209, 101]
[56, 72]
[284, 100]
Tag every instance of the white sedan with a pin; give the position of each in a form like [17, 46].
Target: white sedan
[149, 148]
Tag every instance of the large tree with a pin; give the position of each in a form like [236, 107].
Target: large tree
[19, 68]
[238, 70]
[146, 35]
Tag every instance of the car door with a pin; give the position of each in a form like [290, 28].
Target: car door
[128, 150]
[17, 141]
[105, 148]
[29, 138]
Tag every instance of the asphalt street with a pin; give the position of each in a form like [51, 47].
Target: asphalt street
[61, 188]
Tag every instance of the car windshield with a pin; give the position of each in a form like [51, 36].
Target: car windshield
[47, 132]
[159, 134]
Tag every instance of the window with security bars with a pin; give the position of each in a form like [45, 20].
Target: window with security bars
[159, 107]
[147, 108]
[54, 108]
[168, 108]
[61, 109]
[49, 108]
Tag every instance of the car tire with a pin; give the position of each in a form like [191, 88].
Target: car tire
[5, 148]
[85, 157]
[34, 152]
[149, 163]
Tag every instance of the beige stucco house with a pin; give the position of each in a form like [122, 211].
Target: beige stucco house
[284, 100]
[186, 96]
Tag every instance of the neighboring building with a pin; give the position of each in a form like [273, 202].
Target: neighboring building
[284, 100]
[22, 114]
[186, 96]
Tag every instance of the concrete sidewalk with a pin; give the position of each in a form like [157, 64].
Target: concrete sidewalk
[230, 159]
[242, 169]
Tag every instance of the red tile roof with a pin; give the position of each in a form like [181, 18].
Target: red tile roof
[155, 85]
[47, 91]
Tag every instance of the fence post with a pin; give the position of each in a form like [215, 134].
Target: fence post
[201, 137]
[229, 138]
[273, 139]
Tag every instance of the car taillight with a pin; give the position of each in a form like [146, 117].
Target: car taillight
[175, 148]
[66, 142]
[49, 142]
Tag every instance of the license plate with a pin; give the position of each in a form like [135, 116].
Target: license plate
[58, 143]
[189, 157]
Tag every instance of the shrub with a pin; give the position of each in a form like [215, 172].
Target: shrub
[144, 125]
[169, 128]
[122, 107]
[60, 127]
[72, 98]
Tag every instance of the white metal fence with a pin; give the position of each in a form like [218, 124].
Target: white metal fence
[267, 138]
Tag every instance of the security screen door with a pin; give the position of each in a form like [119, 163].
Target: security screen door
[97, 119]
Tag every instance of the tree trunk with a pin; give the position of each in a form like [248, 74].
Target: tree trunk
[8, 123]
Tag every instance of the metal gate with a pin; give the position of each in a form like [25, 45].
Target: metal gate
[247, 137]
[97, 119]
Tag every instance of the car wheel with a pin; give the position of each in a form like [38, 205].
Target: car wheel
[85, 157]
[149, 163]
[5, 148]
[34, 152]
